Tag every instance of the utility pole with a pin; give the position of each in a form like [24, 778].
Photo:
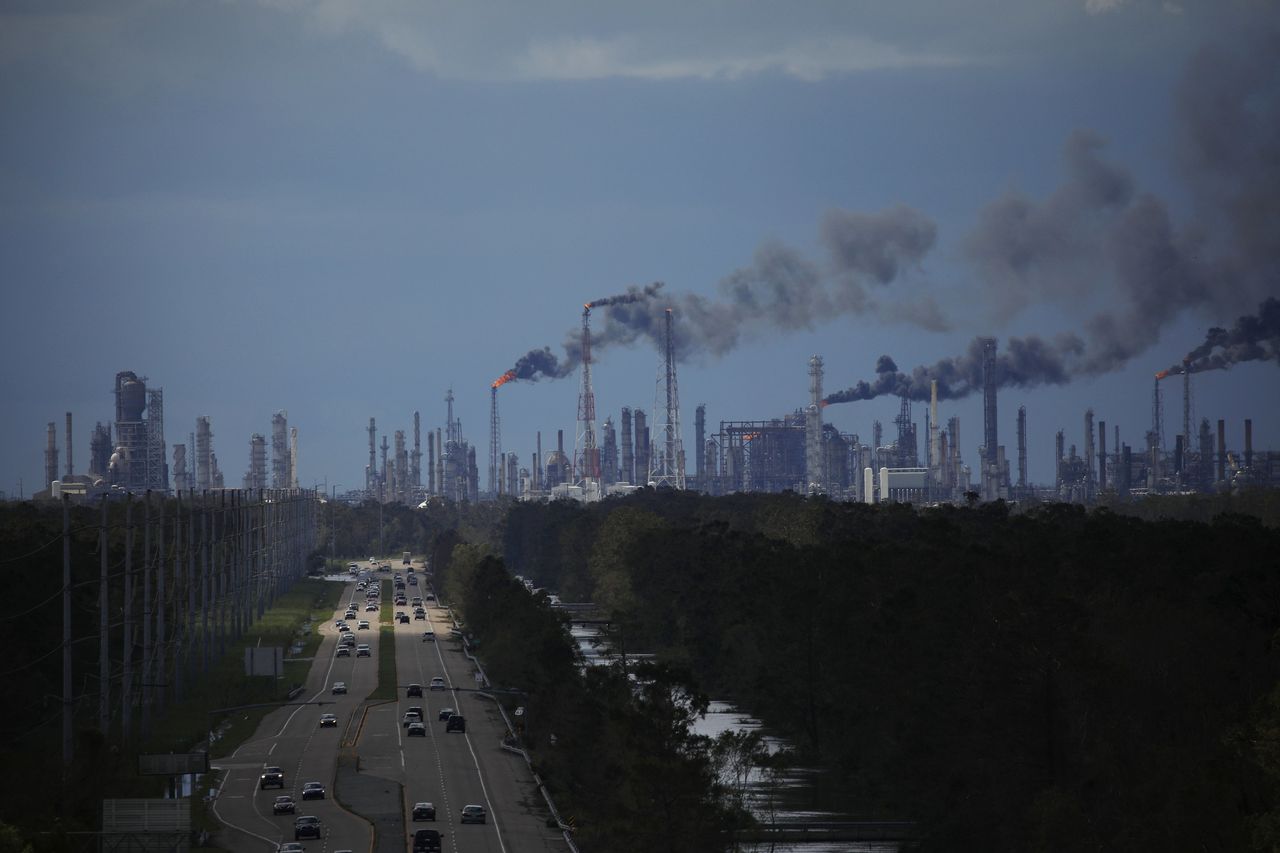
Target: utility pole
[104, 649]
[126, 675]
[68, 705]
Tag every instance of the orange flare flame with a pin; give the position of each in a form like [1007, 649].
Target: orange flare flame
[503, 379]
[1161, 375]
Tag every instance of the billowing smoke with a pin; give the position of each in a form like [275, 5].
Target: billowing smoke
[1254, 337]
[780, 289]
[1096, 244]
[537, 363]
[1096, 237]
[633, 294]
[1024, 363]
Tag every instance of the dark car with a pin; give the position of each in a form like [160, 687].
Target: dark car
[428, 636]
[307, 826]
[473, 814]
[416, 730]
[446, 713]
[283, 805]
[402, 618]
[426, 841]
[328, 721]
[424, 811]
[272, 777]
[313, 791]
[456, 723]
[414, 690]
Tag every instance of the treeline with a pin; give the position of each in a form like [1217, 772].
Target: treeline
[618, 754]
[1051, 680]
[160, 590]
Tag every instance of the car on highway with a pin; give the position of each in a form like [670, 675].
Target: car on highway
[307, 826]
[414, 690]
[417, 601]
[340, 624]
[328, 721]
[371, 607]
[344, 651]
[416, 730]
[410, 718]
[348, 639]
[313, 791]
[362, 625]
[424, 811]
[437, 683]
[351, 614]
[401, 601]
[445, 713]
[272, 777]
[431, 598]
[456, 723]
[428, 636]
[291, 847]
[339, 688]
[362, 651]
[426, 841]
[473, 814]
[419, 616]
[402, 618]
[284, 804]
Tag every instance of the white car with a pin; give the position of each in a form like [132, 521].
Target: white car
[362, 651]
[437, 683]
[339, 687]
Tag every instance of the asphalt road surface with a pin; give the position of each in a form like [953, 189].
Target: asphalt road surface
[447, 769]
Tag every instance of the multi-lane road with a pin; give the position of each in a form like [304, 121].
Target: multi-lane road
[369, 764]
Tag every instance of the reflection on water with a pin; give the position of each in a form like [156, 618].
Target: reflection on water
[787, 795]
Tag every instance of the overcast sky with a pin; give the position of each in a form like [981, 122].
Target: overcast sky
[343, 209]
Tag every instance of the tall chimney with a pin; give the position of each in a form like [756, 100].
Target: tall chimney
[1222, 450]
[70, 467]
[51, 455]
[1248, 442]
[1102, 455]
[537, 465]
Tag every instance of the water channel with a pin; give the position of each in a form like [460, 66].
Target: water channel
[790, 795]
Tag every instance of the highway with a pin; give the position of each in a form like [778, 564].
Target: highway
[448, 769]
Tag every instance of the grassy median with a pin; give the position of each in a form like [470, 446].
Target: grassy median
[386, 688]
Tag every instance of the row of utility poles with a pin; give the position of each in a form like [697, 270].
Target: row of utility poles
[211, 563]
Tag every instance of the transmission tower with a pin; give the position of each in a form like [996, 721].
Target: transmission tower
[666, 466]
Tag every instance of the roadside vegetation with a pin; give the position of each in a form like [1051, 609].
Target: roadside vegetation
[1045, 679]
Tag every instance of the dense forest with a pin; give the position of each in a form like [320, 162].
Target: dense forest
[1049, 679]
[1009, 678]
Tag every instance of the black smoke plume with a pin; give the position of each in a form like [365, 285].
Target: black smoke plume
[633, 294]
[1025, 363]
[1254, 337]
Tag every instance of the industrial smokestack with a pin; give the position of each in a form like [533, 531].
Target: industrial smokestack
[989, 382]
[700, 441]
[1102, 456]
[1248, 443]
[1088, 453]
[431, 462]
[51, 454]
[1022, 447]
[1222, 451]
[628, 448]
[1059, 447]
[537, 465]
[70, 467]
[415, 469]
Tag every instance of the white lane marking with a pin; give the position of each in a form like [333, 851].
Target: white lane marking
[273, 747]
[474, 758]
